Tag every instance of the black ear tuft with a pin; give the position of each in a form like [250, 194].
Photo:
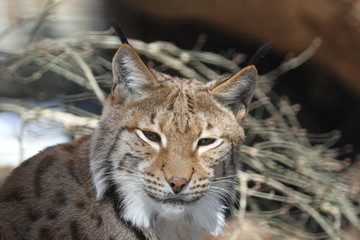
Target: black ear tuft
[260, 53]
[120, 33]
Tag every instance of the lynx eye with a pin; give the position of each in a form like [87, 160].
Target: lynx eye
[205, 141]
[154, 137]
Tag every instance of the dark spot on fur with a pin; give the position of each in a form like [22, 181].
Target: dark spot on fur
[171, 106]
[59, 198]
[34, 215]
[112, 196]
[15, 195]
[80, 204]
[74, 231]
[155, 189]
[97, 218]
[45, 233]
[39, 172]
[223, 169]
[139, 234]
[152, 118]
[52, 214]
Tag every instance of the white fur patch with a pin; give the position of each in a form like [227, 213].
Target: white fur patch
[138, 207]
[171, 211]
[208, 212]
[163, 140]
[98, 174]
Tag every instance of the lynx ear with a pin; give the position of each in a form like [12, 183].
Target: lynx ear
[132, 78]
[236, 92]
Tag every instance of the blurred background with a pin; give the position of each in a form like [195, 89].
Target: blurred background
[327, 87]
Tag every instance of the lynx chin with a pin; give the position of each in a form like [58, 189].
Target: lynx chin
[161, 163]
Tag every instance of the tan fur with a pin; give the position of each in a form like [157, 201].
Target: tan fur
[116, 184]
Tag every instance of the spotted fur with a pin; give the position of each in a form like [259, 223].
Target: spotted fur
[161, 163]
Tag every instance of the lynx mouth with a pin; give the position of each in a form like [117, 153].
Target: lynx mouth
[175, 201]
[181, 199]
[178, 200]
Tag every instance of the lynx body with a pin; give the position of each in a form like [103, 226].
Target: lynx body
[161, 163]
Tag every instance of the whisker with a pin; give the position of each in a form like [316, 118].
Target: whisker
[223, 188]
[224, 194]
[226, 184]
[128, 169]
[227, 204]
[223, 191]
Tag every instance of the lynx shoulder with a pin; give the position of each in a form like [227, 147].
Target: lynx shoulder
[161, 163]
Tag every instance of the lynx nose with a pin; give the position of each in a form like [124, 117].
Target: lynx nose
[177, 184]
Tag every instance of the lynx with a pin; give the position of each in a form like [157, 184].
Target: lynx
[161, 164]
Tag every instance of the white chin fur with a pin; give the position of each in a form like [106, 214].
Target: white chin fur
[167, 218]
[171, 211]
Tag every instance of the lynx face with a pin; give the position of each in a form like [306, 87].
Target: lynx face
[166, 148]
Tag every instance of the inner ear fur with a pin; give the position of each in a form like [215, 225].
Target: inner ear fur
[132, 78]
[237, 91]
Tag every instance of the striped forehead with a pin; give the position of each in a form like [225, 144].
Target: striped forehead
[181, 108]
[177, 104]
[181, 99]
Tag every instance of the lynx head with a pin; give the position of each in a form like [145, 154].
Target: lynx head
[166, 147]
